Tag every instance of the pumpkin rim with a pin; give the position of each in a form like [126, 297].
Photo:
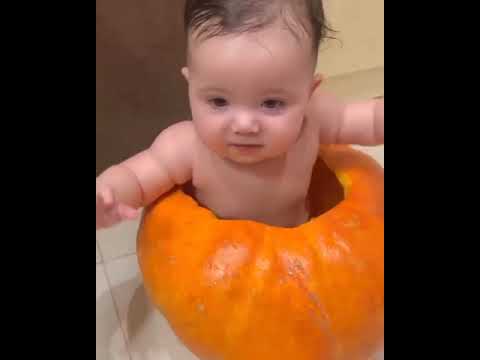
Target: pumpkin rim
[367, 171]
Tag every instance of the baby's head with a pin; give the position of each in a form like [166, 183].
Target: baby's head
[250, 71]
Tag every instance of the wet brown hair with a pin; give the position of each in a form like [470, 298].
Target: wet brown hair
[210, 18]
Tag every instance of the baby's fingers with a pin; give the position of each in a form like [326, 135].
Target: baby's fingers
[128, 213]
[107, 197]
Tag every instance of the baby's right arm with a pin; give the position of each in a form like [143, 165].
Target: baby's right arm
[140, 180]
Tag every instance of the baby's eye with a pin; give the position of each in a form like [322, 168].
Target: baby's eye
[218, 102]
[272, 104]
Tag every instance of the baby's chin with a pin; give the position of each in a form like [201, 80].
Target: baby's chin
[245, 160]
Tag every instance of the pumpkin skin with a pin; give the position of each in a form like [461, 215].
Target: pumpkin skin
[241, 290]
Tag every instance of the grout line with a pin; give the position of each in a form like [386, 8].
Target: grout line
[119, 257]
[99, 252]
[117, 312]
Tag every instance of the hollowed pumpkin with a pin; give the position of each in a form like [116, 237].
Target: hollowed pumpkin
[242, 290]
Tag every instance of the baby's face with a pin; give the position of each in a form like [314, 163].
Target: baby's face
[248, 92]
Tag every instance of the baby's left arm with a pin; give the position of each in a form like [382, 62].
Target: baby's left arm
[359, 123]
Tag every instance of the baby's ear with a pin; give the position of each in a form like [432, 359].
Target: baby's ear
[185, 73]
[317, 80]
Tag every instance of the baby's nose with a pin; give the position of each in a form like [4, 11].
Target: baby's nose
[245, 124]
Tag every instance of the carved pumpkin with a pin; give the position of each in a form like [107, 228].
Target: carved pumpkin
[242, 290]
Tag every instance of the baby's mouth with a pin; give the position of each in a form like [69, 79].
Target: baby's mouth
[245, 147]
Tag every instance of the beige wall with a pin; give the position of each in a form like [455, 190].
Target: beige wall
[354, 64]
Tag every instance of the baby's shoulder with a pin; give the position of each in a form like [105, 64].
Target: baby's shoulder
[180, 134]
[176, 141]
[183, 129]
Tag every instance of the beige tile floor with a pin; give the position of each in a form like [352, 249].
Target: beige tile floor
[127, 327]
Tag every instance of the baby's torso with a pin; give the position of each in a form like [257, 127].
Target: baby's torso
[272, 192]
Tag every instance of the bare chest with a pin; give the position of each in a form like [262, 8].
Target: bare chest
[265, 192]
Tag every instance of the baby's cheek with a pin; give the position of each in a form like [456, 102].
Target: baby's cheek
[288, 129]
[210, 131]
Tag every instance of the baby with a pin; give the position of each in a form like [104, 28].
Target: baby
[258, 118]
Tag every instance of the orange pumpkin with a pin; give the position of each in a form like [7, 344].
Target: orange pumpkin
[242, 290]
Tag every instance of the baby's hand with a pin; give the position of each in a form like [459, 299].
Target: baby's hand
[109, 212]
